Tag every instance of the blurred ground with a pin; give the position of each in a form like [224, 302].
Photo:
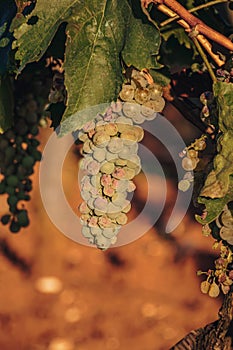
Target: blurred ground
[142, 296]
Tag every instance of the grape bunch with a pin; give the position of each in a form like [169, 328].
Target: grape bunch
[18, 155]
[190, 161]
[110, 145]
[221, 278]
[225, 225]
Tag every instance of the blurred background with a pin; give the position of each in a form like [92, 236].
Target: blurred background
[59, 295]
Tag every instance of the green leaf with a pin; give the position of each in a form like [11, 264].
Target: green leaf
[4, 42]
[33, 40]
[214, 206]
[6, 103]
[142, 40]
[98, 32]
[3, 29]
[92, 65]
[217, 182]
[224, 94]
[180, 35]
[218, 188]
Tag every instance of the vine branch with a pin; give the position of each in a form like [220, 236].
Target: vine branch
[194, 9]
[192, 21]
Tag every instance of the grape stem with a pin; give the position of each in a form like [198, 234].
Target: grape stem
[193, 22]
[194, 9]
[189, 22]
[193, 36]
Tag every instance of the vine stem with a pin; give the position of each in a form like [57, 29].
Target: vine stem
[194, 9]
[192, 21]
[203, 56]
[201, 38]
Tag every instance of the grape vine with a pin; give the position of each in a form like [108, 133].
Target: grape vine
[123, 53]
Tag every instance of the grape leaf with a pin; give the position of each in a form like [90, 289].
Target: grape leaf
[142, 41]
[218, 187]
[7, 13]
[33, 40]
[224, 94]
[97, 34]
[217, 181]
[214, 206]
[6, 103]
[180, 35]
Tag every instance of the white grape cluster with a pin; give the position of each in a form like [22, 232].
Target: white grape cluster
[110, 146]
[190, 161]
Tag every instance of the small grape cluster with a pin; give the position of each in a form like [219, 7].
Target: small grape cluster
[225, 75]
[207, 99]
[225, 225]
[18, 154]
[110, 145]
[190, 161]
[221, 278]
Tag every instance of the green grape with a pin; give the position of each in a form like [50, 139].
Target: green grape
[34, 130]
[142, 95]
[189, 164]
[21, 127]
[200, 145]
[28, 162]
[184, 185]
[21, 172]
[131, 109]
[158, 103]
[2, 188]
[10, 134]
[10, 170]
[22, 196]
[22, 218]
[214, 290]
[12, 180]
[27, 186]
[14, 226]
[5, 219]
[36, 155]
[192, 153]
[18, 140]
[205, 287]
[3, 144]
[127, 93]
[155, 90]
[10, 190]
[10, 152]
[31, 118]
[12, 200]
[35, 142]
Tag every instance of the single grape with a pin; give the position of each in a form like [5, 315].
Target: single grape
[189, 164]
[5, 219]
[155, 90]
[28, 162]
[34, 130]
[14, 226]
[205, 287]
[214, 290]
[12, 200]
[127, 92]
[10, 190]
[183, 185]
[142, 95]
[22, 218]
[12, 180]
[200, 145]
[2, 187]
